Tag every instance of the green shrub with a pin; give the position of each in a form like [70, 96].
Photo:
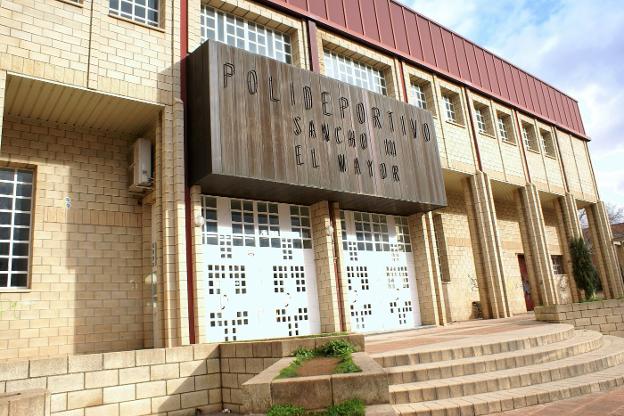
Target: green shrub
[353, 407]
[584, 272]
[303, 354]
[347, 366]
[336, 348]
[286, 410]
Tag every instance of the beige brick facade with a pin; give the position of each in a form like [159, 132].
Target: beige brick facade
[109, 268]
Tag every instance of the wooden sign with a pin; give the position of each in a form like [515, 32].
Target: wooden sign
[258, 128]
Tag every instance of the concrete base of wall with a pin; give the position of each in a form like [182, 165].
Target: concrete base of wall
[606, 316]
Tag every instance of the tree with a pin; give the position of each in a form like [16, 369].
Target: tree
[585, 274]
[614, 212]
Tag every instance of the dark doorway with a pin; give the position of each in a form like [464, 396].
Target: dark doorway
[526, 286]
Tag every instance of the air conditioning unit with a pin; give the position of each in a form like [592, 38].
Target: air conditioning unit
[140, 169]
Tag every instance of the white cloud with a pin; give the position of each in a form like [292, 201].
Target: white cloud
[575, 45]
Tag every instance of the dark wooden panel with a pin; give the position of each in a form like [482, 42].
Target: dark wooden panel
[256, 119]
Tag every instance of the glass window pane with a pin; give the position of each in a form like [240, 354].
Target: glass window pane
[19, 280]
[7, 174]
[22, 204]
[6, 203]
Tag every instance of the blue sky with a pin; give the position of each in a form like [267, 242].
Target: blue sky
[575, 45]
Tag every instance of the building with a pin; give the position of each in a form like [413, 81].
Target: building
[460, 205]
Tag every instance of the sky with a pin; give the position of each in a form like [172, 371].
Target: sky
[575, 45]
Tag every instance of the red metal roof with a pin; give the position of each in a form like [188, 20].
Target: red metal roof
[399, 30]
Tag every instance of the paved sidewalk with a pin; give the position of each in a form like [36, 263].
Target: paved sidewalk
[609, 403]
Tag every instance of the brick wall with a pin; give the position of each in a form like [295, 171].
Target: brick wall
[162, 381]
[86, 267]
[70, 43]
[462, 289]
[509, 231]
[606, 316]
[457, 137]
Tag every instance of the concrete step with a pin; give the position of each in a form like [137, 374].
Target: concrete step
[610, 354]
[581, 342]
[516, 398]
[477, 346]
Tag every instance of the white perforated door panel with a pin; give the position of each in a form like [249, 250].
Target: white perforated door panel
[379, 268]
[260, 277]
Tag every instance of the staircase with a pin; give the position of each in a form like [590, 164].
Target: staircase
[484, 374]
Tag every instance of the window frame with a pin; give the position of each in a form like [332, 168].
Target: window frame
[549, 150]
[453, 97]
[13, 227]
[559, 264]
[527, 131]
[279, 42]
[441, 257]
[483, 116]
[449, 108]
[372, 72]
[417, 95]
[152, 24]
[506, 121]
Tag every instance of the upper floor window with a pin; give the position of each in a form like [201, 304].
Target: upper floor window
[505, 129]
[354, 73]
[243, 34]
[547, 143]
[480, 120]
[528, 137]
[16, 190]
[483, 119]
[417, 96]
[438, 231]
[141, 11]
[449, 108]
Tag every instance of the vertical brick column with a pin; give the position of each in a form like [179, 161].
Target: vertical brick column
[486, 248]
[532, 228]
[199, 266]
[428, 282]
[194, 24]
[98, 9]
[324, 258]
[169, 189]
[569, 227]
[604, 251]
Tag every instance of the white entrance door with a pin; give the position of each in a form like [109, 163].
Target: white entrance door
[379, 268]
[260, 279]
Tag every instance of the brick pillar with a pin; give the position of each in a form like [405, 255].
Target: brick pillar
[428, 282]
[169, 189]
[324, 258]
[532, 228]
[604, 251]
[486, 246]
[199, 266]
[569, 227]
